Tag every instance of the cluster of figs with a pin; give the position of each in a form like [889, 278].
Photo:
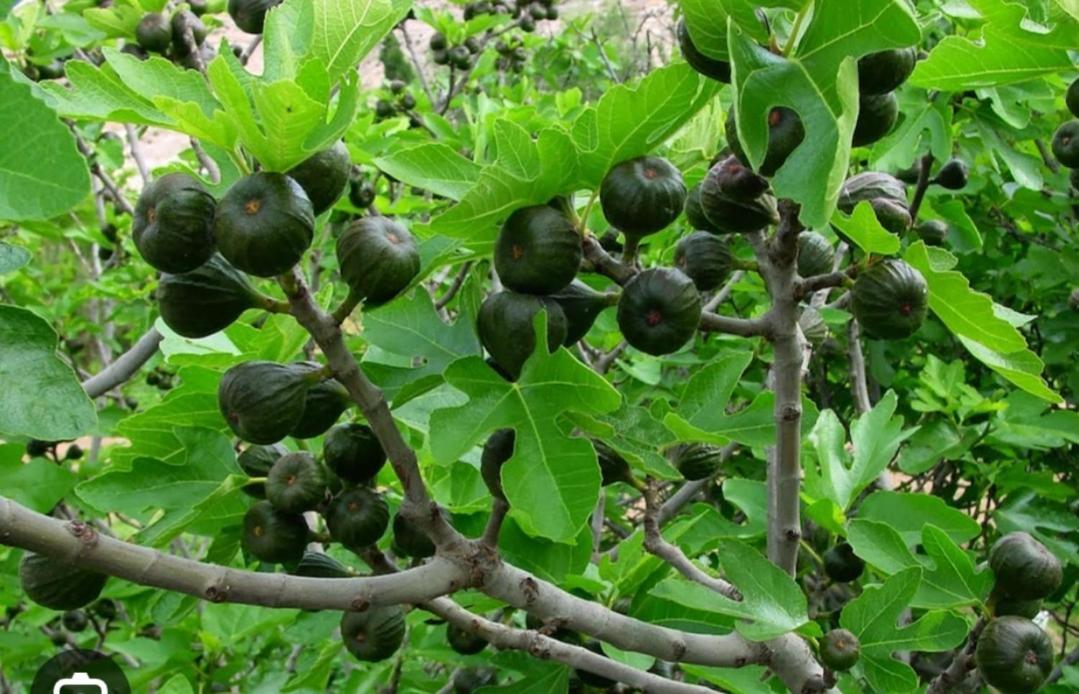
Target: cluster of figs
[1065, 144]
[538, 254]
[889, 297]
[207, 248]
[180, 37]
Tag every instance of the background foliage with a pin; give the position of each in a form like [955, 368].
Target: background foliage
[972, 420]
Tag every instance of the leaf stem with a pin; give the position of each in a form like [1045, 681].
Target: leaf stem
[796, 29]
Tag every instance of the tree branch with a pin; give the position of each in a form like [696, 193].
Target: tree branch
[816, 283]
[724, 292]
[607, 359]
[418, 506]
[925, 166]
[547, 648]
[746, 327]
[963, 661]
[104, 178]
[785, 465]
[673, 555]
[213, 172]
[458, 282]
[76, 542]
[420, 74]
[136, 152]
[1071, 659]
[125, 366]
[858, 384]
[551, 604]
[600, 261]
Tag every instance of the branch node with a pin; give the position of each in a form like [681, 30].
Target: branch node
[793, 534]
[530, 589]
[83, 532]
[217, 593]
[359, 604]
[791, 413]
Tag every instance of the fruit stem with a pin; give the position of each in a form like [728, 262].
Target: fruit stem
[347, 306]
[629, 251]
[750, 265]
[272, 305]
[812, 553]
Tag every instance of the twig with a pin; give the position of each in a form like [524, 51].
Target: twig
[250, 50]
[1050, 161]
[547, 648]
[458, 282]
[724, 292]
[746, 327]
[655, 544]
[125, 366]
[598, 514]
[810, 285]
[603, 57]
[963, 661]
[604, 361]
[136, 152]
[99, 173]
[1071, 659]
[420, 74]
[926, 166]
[213, 172]
[859, 386]
[458, 81]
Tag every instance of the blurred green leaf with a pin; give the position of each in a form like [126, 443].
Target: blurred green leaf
[42, 397]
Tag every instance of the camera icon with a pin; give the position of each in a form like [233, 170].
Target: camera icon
[80, 680]
[78, 671]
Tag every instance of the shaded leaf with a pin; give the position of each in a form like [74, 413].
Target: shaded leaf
[42, 397]
[42, 173]
[1001, 52]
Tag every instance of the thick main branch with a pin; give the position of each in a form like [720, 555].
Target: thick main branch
[80, 544]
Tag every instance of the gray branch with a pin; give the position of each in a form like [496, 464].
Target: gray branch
[547, 648]
[125, 366]
[953, 675]
[724, 292]
[858, 383]
[76, 542]
[551, 604]
[655, 543]
[136, 152]
[778, 257]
